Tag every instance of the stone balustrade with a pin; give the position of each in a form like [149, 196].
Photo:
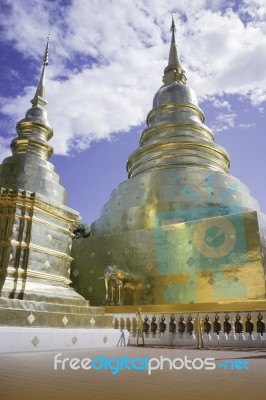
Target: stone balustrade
[223, 329]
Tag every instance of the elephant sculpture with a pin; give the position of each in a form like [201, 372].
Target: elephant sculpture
[113, 280]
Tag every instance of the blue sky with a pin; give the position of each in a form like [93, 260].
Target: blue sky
[106, 63]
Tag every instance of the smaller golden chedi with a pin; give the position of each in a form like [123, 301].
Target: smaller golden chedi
[36, 231]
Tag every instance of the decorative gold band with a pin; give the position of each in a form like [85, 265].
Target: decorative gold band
[172, 107]
[34, 274]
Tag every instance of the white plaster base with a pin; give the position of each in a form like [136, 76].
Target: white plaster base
[177, 339]
[46, 339]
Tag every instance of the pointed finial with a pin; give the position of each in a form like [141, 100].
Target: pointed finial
[39, 100]
[45, 57]
[173, 28]
[174, 70]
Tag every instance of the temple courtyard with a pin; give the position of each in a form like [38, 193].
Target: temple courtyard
[238, 374]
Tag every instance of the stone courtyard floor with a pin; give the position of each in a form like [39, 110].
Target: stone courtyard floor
[31, 376]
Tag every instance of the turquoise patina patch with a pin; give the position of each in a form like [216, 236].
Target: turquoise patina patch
[197, 239]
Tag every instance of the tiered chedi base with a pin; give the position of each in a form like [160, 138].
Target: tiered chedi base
[182, 235]
[25, 313]
[35, 241]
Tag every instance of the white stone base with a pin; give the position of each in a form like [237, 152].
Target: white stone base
[47, 339]
[212, 340]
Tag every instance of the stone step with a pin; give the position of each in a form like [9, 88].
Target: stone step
[55, 319]
[29, 305]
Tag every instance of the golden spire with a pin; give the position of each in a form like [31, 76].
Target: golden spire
[176, 136]
[34, 130]
[174, 71]
[28, 168]
[39, 98]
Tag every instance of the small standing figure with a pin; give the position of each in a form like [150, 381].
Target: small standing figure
[154, 325]
[260, 324]
[162, 324]
[217, 324]
[227, 324]
[139, 328]
[172, 324]
[181, 324]
[207, 324]
[190, 325]
[238, 323]
[249, 324]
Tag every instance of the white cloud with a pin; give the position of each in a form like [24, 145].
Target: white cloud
[258, 96]
[107, 59]
[224, 121]
[218, 103]
[228, 118]
[246, 126]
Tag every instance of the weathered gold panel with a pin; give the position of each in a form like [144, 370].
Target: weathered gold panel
[176, 262]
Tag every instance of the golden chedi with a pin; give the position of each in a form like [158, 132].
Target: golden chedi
[36, 231]
[181, 227]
